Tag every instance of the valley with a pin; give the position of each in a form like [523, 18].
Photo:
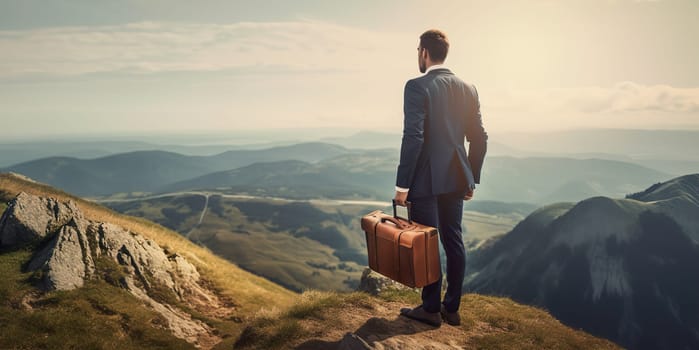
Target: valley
[296, 243]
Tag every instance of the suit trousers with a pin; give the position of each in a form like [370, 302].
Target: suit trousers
[444, 211]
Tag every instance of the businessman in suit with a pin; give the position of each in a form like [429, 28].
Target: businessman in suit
[435, 173]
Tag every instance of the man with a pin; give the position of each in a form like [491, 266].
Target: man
[435, 173]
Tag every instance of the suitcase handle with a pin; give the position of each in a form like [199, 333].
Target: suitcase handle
[407, 205]
[393, 220]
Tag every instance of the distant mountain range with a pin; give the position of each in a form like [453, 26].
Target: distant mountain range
[147, 171]
[321, 170]
[639, 144]
[670, 151]
[369, 174]
[545, 180]
[623, 269]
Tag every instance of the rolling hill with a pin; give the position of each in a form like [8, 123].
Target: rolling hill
[617, 268]
[636, 143]
[318, 170]
[146, 171]
[356, 175]
[371, 174]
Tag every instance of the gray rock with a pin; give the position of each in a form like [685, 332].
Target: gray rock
[142, 256]
[66, 261]
[373, 283]
[29, 218]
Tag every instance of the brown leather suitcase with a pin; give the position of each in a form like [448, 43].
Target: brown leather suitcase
[401, 249]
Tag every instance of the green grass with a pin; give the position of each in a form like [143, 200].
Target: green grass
[517, 326]
[110, 271]
[314, 303]
[407, 296]
[277, 330]
[14, 282]
[97, 316]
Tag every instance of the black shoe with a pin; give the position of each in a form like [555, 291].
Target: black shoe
[452, 318]
[419, 314]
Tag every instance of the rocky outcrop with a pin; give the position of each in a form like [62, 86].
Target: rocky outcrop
[29, 218]
[373, 283]
[70, 248]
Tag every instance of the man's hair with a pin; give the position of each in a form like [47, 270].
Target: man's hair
[436, 43]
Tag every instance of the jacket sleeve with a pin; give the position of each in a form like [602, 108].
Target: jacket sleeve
[475, 135]
[415, 110]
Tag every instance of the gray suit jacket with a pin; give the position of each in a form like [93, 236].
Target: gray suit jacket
[440, 110]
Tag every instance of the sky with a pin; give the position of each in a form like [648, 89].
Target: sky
[155, 66]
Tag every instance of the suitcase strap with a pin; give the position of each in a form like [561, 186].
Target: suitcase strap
[396, 256]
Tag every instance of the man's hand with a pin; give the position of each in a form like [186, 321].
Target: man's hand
[468, 195]
[401, 198]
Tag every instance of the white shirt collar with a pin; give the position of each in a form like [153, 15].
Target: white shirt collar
[436, 66]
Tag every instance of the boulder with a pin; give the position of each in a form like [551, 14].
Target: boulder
[373, 283]
[29, 218]
[66, 260]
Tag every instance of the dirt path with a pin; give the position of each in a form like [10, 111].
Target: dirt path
[382, 328]
[203, 212]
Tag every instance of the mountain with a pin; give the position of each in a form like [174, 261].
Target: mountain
[617, 268]
[21, 152]
[371, 174]
[634, 143]
[670, 151]
[320, 170]
[545, 180]
[356, 175]
[77, 275]
[145, 171]
[367, 139]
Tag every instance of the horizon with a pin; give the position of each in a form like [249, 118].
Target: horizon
[151, 137]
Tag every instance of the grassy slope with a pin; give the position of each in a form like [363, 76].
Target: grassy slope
[487, 323]
[248, 292]
[104, 316]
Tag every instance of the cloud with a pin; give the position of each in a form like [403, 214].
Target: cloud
[622, 98]
[625, 104]
[630, 97]
[145, 47]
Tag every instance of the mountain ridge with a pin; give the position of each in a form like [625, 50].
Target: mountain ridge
[144, 171]
[607, 265]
